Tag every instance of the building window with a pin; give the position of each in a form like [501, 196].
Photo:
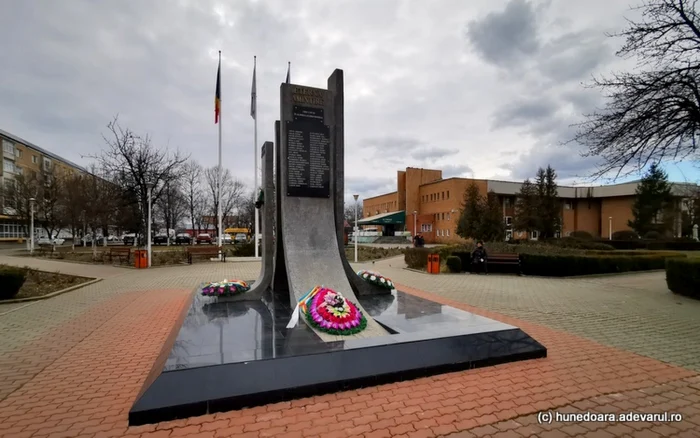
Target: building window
[19, 170]
[448, 194]
[507, 202]
[509, 235]
[437, 216]
[8, 147]
[47, 164]
[534, 235]
[442, 215]
[19, 153]
[8, 166]
[35, 159]
[448, 216]
[443, 196]
[426, 228]
[568, 205]
[509, 220]
[448, 233]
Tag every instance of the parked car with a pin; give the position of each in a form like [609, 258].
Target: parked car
[227, 240]
[240, 238]
[49, 241]
[129, 239]
[183, 239]
[204, 238]
[160, 239]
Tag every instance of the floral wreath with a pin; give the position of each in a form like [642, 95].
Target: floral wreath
[375, 279]
[226, 288]
[329, 311]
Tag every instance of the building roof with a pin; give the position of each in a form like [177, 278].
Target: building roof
[379, 196]
[41, 150]
[393, 217]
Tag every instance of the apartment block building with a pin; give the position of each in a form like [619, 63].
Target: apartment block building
[21, 157]
[426, 202]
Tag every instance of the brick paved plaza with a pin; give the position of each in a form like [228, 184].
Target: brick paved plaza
[72, 365]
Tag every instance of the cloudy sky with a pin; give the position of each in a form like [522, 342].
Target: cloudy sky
[480, 88]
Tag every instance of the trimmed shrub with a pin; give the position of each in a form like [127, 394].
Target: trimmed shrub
[11, 281]
[576, 243]
[571, 265]
[653, 235]
[582, 235]
[683, 277]
[626, 244]
[454, 263]
[625, 235]
[674, 245]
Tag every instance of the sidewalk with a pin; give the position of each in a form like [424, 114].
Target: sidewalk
[77, 269]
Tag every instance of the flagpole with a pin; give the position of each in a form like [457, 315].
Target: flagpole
[219, 174]
[255, 144]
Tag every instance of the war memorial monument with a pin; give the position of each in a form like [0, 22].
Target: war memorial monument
[310, 324]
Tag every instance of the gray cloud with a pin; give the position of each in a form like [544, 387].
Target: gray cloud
[506, 36]
[415, 94]
[429, 153]
[459, 170]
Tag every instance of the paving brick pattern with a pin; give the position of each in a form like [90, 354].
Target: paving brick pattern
[633, 312]
[88, 352]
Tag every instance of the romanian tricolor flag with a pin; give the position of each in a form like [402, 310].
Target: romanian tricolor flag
[217, 97]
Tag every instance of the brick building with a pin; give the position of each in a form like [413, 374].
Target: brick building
[20, 157]
[423, 200]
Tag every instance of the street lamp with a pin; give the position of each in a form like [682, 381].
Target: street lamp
[31, 225]
[150, 195]
[354, 234]
[415, 223]
[610, 228]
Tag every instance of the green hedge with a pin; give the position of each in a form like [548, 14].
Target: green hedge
[571, 265]
[579, 243]
[11, 281]
[417, 258]
[454, 263]
[683, 276]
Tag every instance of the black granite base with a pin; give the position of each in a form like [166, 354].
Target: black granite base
[240, 354]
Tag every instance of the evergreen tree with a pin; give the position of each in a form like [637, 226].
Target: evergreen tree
[548, 205]
[491, 226]
[526, 216]
[652, 208]
[471, 213]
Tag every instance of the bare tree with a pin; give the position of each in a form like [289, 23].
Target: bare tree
[232, 191]
[350, 213]
[135, 164]
[652, 113]
[193, 193]
[75, 203]
[16, 194]
[172, 206]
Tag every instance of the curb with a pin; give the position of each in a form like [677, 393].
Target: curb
[52, 294]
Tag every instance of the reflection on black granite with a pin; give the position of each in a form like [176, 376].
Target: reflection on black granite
[216, 333]
[230, 355]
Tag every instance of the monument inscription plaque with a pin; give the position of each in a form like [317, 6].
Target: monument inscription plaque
[308, 159]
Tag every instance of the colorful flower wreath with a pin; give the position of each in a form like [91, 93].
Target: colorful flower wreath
[328, 311]
[376, 279]
[226, 288]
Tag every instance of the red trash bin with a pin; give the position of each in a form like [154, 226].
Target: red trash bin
[140, 259]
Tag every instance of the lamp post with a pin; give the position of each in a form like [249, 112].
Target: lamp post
[415, 223]
[354, 234]
[31, 225]
[610, 228]
[150, 195]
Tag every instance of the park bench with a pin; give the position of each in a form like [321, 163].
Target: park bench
[121, 253]
[505, 259]
[204, 251]
[44, 249]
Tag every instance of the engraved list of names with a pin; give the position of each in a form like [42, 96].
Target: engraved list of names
[308, 159]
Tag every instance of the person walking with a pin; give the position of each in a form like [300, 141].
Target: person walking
[479, 258]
